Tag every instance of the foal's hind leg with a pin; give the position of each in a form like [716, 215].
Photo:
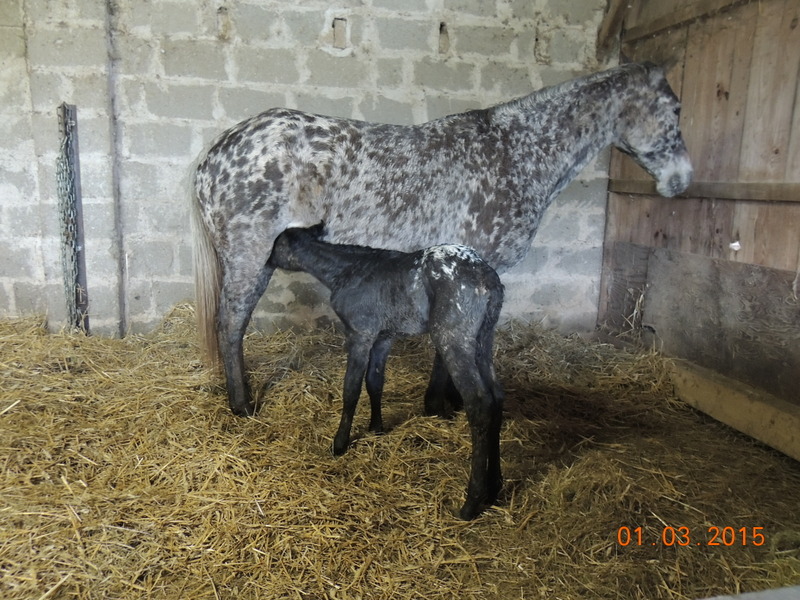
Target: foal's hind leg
[375, 378]
[482, 413]
[241, 290]
[441, 391]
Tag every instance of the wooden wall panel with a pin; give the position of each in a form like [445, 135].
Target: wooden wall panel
[669, 262]
[732, 318]
[717, 73]
[771, 95]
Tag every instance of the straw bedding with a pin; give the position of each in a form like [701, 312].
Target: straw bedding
[124, 475]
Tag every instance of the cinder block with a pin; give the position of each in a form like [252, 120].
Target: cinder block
[444, 75]
[166, 294]
[304, 27]
[35, 298]
[94, 136]
[482, 8]
[180, 101]
[240, 103]
[138, 56]
[48, 90]
[11, 14]
[405, 34]
[325, 105]
[577, 11]
[90, 94]
[194, 58]
[505, 80]
[584, 262]
[525, 9]
[149, 259]
[405, 6]
[390, 72]
[442, 105]
[335, 71]
[7, 308]
[19, 260]
[565, 47]
[164, 18]
[256, 23]
[267, 65]
[158, 139]
[487, 41]
[383, 110]
[68, 47]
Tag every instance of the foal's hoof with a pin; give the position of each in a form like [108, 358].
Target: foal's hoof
[246, 410]
[339, 447]
[471, 509]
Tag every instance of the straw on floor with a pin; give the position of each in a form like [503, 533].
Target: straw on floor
[124, 475]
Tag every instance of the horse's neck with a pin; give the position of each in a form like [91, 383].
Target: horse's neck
[323, 261]
[560, 131]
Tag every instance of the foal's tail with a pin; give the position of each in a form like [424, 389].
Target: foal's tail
[206, 286]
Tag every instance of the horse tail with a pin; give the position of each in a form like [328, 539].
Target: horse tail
[207, 276]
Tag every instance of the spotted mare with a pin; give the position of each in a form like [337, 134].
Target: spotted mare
[481, 178]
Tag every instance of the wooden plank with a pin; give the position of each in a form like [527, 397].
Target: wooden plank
[750, 410]
[716, 76]
[611, 26]
[757, 191]
[740, 320]
[769, 234]
[771, 92]
[655, 16]
[623, 286]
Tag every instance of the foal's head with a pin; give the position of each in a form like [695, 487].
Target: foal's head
[285, 247]
[649, 130]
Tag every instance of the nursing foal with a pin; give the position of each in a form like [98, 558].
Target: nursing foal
[380, 295]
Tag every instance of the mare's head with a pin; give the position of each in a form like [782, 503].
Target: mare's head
[649, 129]
[285, 247]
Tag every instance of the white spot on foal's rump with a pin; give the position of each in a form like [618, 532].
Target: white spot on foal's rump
[442, 259]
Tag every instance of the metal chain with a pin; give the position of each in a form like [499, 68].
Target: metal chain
[67, 202]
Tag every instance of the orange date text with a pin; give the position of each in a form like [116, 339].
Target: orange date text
[686, 536]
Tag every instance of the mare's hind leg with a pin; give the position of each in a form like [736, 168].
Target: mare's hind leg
[241, 290]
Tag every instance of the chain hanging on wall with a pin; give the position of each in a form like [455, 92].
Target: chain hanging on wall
[71, 213]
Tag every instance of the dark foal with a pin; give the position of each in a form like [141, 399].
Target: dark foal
[380, 295]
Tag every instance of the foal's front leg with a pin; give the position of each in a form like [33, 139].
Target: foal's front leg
[357, 360]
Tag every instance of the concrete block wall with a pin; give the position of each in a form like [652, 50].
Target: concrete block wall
[155, 80]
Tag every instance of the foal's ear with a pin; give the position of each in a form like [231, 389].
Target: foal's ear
[317, 230]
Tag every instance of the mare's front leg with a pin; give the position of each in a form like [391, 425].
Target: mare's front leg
[358, 350]
[375, 379]
[241, 289]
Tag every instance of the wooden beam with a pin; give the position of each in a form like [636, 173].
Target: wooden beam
[721, 190]
[696, 10]
[745, 408]
[611, 26]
